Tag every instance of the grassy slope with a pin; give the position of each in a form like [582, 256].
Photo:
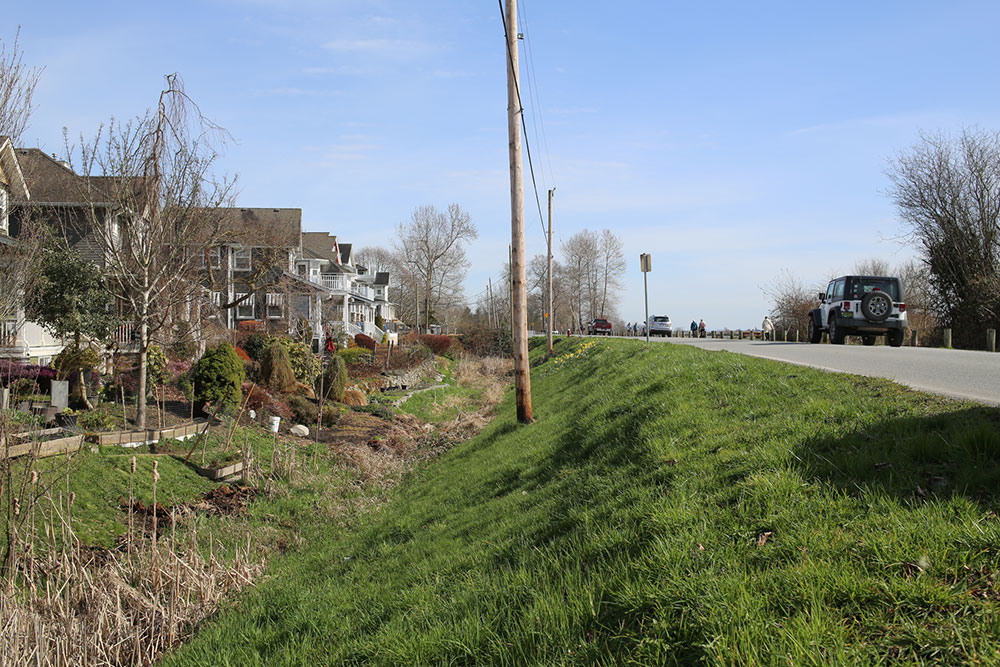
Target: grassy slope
[626, 526]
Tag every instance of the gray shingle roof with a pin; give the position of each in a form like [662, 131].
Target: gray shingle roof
[321, 245]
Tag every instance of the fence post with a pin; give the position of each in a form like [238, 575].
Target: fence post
[796, 335]
[946, 335]
[991, 340]
[913, 337]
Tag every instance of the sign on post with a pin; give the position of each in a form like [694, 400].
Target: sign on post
[646, 264]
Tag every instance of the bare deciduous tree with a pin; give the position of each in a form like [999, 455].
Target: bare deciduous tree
[947, 191]
[154, 209]
[592, 268]
[18, 259]
[375, 258]
[430, 249]
[791, 301]
[872, 266]
[17, 88]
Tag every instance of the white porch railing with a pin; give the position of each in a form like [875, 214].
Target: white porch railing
[353, 329]
[332, 281]
[341, 283]
[123, 334]
[374, 331]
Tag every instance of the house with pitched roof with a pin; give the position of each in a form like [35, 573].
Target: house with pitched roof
[261, 273]
[20, 338]
[353, 297]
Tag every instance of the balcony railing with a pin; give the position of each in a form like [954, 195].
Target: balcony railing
[124, 335]
[341, 283]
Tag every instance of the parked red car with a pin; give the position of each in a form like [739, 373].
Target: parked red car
[599, 326]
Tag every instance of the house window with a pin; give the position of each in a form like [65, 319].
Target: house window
[244, 309]
[302, 307]
[302, 269]
[274, 305]
[241, 259]
[214, 258]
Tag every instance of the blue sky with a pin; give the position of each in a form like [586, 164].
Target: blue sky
[732, 141]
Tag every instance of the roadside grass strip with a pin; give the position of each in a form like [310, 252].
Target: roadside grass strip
[669, 506]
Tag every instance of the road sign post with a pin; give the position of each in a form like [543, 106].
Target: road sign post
[646, 263]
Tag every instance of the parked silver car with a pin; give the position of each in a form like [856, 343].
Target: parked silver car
[660, 325]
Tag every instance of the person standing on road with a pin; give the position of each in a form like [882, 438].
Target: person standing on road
[768, 328]
[701, 329]
[628, 329]
[694, 328]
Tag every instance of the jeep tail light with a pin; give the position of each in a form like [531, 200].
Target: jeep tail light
[847, 305]
[902, 307]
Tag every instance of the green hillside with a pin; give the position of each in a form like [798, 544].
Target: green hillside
[670, 505]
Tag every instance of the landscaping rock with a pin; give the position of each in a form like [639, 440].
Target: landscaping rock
[299, 430]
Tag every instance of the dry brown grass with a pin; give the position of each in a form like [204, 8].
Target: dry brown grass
[76, 606]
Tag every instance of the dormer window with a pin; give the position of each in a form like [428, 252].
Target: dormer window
[241, 259]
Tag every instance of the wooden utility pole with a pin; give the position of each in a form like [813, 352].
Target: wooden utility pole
[522, 378]
[510, 287]
[548, 313]
[489, 308]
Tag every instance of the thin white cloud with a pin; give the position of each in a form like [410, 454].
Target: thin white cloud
[880, 121]
[292, 91]
[382, 47]
[347, 70]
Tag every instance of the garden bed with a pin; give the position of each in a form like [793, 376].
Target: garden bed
[42, 448]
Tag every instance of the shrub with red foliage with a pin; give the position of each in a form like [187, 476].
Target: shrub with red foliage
[260, 398]
[365, 341]
[241, 353]
[11, 371]
[439, 343]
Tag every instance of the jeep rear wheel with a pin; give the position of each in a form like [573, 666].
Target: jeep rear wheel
[814, 332]
[868, 340]
[836, 335]
[894, 338]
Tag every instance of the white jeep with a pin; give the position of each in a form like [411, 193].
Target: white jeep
[866, 306]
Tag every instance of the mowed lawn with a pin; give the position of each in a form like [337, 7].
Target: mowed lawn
[669, 506]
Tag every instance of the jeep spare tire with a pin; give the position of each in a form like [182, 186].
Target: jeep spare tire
[876, 306]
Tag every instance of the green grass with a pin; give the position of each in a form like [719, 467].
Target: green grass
[669, 506]
[442, 404]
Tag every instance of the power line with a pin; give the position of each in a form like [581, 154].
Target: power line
[524, 129]
[534, 92]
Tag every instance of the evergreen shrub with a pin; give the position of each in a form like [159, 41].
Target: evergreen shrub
[219, 375]
[276, 370]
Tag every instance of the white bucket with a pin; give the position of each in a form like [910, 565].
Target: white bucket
[275, 421]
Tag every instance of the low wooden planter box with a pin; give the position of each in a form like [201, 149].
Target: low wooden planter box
[215, 474]
[44, 449]
[138, 438]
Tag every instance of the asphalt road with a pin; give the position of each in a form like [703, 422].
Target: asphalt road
[955, 373]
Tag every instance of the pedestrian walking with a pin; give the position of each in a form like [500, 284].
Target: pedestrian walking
[694, 328]
[701, 329]
[768, 328]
